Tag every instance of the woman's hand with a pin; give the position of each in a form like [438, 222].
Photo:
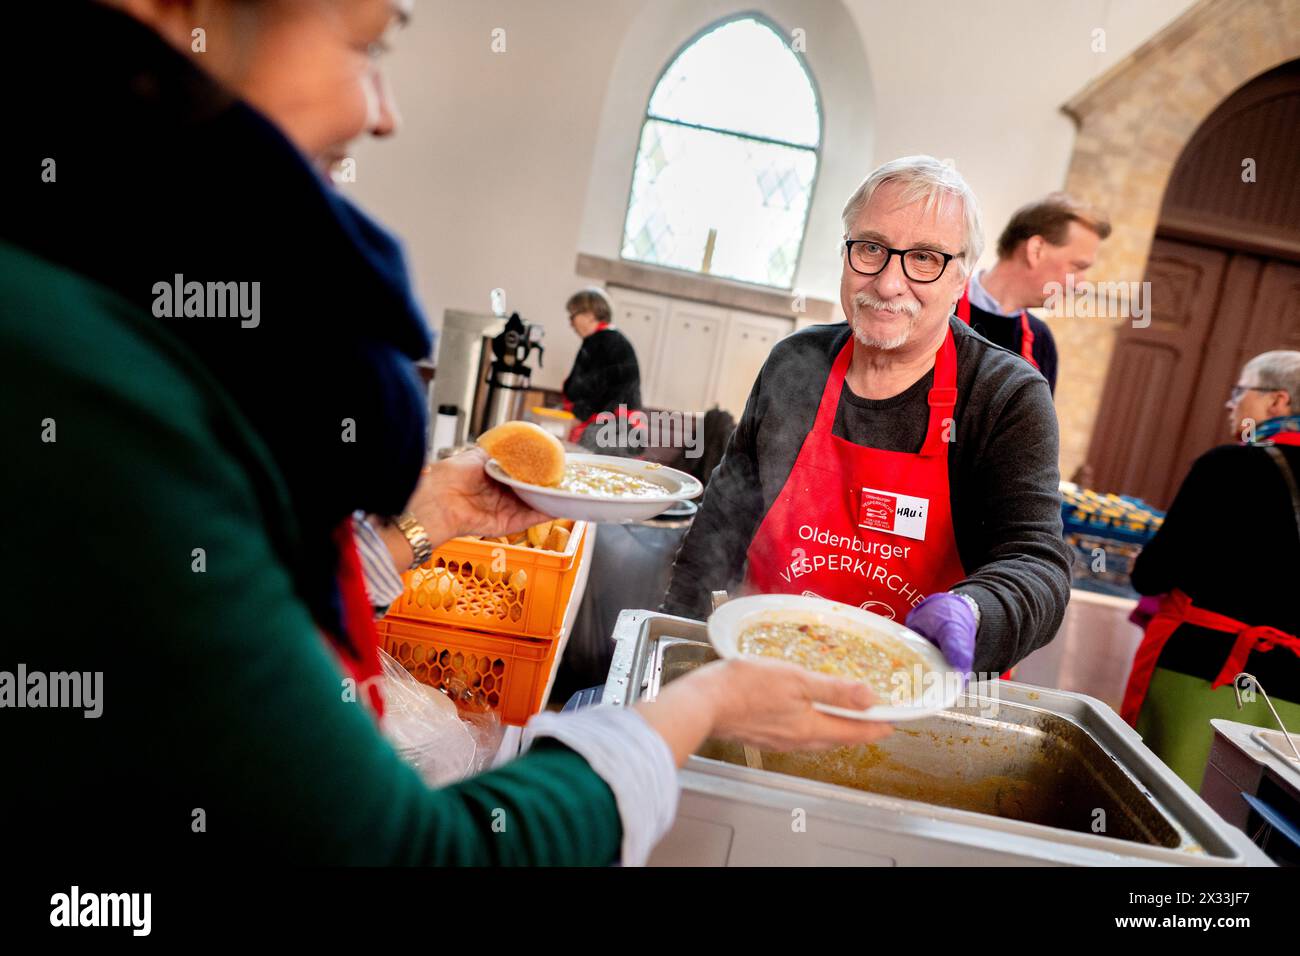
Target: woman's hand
[768, 703]
[456, 497]
[765, 703]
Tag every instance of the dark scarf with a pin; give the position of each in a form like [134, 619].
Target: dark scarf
[162, 172]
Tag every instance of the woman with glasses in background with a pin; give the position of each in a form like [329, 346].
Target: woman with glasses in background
[1227, 562]
[604, 384]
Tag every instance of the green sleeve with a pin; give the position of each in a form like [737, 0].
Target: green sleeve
[220, 674]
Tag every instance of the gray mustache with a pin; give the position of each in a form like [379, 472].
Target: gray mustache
[862, 299]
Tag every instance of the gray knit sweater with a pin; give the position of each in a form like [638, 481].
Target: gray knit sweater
[1003, 481]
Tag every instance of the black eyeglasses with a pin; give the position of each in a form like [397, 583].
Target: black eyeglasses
[1240, 390]
[868, 258]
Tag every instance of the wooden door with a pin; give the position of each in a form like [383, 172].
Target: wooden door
[1224, 288]
[1153, 372]
[1212, 309]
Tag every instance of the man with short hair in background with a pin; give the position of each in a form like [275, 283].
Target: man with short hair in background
[1044, 243]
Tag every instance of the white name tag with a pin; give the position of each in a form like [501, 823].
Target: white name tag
[897, 514]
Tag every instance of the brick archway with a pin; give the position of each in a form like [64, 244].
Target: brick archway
[1133, 123]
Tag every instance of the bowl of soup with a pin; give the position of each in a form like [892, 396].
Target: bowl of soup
[605, 488]
[907, 674]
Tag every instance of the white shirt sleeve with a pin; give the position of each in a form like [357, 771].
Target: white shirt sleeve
[631, 757]
[383, 582]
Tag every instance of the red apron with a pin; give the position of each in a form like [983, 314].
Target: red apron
[636, 419]
[864, 526]
[1177, 608]
[1026, 333]
[358, 647]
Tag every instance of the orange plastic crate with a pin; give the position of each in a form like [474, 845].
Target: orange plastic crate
[478, 671]
[493, 587]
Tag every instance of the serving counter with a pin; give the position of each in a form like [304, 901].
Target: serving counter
[1013, 774]
[1093, 651]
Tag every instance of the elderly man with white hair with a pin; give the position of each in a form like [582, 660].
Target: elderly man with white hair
[900, 462]
[1226, 561]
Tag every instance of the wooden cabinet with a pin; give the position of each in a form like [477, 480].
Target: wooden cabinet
[642, 319]
[689, 357]
[749, 339]
[694, 356]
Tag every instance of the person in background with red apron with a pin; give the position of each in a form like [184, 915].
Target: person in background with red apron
[605, 379]
[1227, 562]
[1044, 242]
[899, 462]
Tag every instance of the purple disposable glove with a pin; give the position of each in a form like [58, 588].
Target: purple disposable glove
[947, 621]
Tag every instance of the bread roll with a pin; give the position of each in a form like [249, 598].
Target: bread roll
[537, 534]
[525, 452]
[558, 539]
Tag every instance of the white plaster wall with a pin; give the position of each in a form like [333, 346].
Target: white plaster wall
[508, 164]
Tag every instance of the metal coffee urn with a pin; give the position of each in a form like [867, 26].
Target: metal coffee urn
[502, 392]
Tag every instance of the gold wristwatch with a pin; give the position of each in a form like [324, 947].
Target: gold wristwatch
[416, 536]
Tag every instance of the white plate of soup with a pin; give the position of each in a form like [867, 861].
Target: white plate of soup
[605, 488]
[908, 674]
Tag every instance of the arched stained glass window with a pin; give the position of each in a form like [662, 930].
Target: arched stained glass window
[728, 155]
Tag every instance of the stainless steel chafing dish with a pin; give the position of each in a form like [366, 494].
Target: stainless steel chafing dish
[1023, 776]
